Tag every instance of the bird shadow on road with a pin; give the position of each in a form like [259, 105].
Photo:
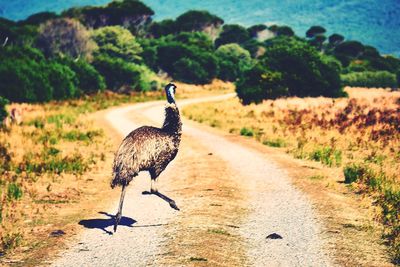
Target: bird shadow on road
[102, 224]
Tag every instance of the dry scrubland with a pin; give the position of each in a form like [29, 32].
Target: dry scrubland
[55, 169]
[359, 135]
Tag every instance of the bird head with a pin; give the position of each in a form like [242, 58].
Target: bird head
[170, 92]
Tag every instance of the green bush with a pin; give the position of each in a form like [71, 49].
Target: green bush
[115, 41]
[14, 192]
[305, 72]
[260, 83]
[63, 81]
[3, 112]
[353, 173]
[88, 78]
[246, 132]
[187, 63]
[24, 80]
[119, 75]
[370, 79]
[233, 61]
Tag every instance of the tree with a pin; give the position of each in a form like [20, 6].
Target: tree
[233, 61]
[281, 30]
[314, 31]
[164, 27]
[232, 33]
[23, 75]
[350, 48]
[39, 18]
[398, 78]
[255, 29]
[304, 71]
[62, 80]
[174, 57]
[65, 37]
[131, 14]
[260, 83]
[198, 39]
[119, 75]
[335, 39]
[89, 79]
[115, 41]
[3, 111]
[197, 20]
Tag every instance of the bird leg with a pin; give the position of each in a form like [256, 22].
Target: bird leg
[119, 214]
[153, 188]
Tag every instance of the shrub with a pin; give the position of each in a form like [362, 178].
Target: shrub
[187, 63]
[233, 61]
[246, 132]
[164, 27]
[14, 192]
[117, 73]
[24, 80]
[370, 79]
[305, 72]
[189, 71]
[89, 79]
[353, 173]
[63, 81]
[3, 111]
[115, 41]
[260, 83]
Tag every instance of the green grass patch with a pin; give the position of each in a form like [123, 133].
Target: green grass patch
[219, 232]
[14, 191]
[316, 177]
[275, 143]
[327, 156]
[246, 132]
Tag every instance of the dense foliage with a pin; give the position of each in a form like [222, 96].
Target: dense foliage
[118, 47]
[370, 79]
[3, 112]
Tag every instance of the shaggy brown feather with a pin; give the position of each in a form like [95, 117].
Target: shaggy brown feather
[148, 149]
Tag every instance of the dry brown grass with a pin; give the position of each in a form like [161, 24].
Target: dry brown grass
[360, 134]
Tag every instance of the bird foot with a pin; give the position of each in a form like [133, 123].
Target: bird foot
[117, 220]
[173, 205]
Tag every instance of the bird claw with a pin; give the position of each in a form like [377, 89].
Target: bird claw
[173, 205]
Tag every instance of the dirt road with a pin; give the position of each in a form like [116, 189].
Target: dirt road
[231, 198]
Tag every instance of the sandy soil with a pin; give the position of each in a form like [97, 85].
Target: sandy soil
[231, 198]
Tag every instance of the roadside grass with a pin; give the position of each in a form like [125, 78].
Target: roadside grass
[359, 135]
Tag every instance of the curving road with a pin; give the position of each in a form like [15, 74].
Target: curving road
[266, 203]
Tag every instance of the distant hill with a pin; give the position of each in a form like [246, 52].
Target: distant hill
[373, 22]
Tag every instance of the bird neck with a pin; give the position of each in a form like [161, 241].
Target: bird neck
[172, 123]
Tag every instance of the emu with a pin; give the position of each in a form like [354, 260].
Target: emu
[148, 149]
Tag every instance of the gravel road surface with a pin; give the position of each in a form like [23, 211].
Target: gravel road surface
[274, 206]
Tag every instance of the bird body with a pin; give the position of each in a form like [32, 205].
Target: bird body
[148, 149]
